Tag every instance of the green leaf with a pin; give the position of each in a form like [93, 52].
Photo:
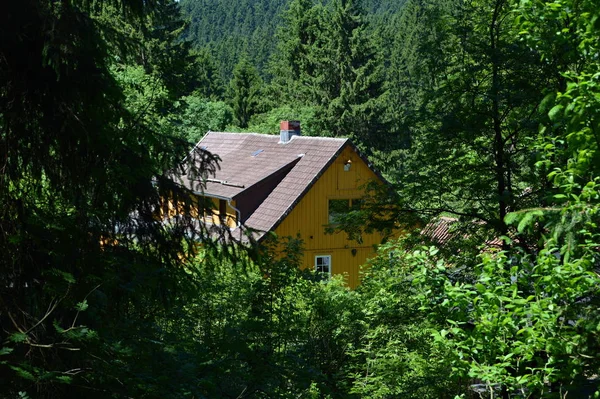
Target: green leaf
[23, 373]
[81, 306]
[65, 379]
[511, 217]
[58, 328]
[18, 337]
[5, 351]
[554, 113]
[547, 102]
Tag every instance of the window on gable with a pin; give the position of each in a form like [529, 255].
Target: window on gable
[341, 207]
[356, 204]
[323, 265]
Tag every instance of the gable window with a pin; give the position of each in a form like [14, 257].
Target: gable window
[323, 265]
[341, 207]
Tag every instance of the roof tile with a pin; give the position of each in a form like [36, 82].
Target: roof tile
[243, 165]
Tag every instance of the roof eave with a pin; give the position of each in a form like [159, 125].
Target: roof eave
[207, 194]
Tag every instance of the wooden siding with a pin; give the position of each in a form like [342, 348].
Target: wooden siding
[309, 217]
[211, 212]
[230, 213]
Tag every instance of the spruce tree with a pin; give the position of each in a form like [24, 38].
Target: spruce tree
[244, 92]
[326, 59]
[207, 82]
[89, 271]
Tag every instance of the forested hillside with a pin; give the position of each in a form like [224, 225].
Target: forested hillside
[231, 29]
[485, 114]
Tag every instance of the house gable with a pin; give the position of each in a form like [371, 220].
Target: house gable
[314, 153]
[310, 216]
[287, 187]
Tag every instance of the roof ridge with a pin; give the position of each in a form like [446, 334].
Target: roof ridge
[320, 138]
[295, 137]
[244, 133]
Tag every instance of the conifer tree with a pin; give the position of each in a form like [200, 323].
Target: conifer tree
[89, 271]
[326, 59]
[348, 79]
[293, 63]
[207, 81]
[455, 84]
[245, 91]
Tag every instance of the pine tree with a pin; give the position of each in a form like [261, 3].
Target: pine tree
[207, 81]
[349, 81]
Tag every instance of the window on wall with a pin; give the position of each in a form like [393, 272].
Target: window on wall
[323, 265]
[341, 207]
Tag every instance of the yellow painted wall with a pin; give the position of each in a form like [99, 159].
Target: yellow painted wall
[169, 208]
[309, 217]
[215, 218]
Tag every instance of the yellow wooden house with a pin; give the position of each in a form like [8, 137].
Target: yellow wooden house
[292, 185]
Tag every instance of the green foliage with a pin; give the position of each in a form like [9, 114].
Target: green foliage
[268, 122]
[88, 269]
[153, 43]
[245, 89]
[146, 96]
[208, 83]
[456, 70]
[492, 108]
[229, 29]
[326, 60]
[397, 357]
[200, 115]
[528, 323]
[271, 331]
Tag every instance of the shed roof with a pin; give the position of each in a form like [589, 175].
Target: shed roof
[440, 230]
[249, 158]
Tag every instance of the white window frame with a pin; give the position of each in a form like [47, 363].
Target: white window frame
[328, 257]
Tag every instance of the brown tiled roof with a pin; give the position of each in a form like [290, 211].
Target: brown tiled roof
[439, 230]
[442, 230]
[248, 158]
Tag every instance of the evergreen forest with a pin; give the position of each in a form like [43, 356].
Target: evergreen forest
[482, 112]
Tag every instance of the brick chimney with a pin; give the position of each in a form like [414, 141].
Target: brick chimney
[288, 129]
